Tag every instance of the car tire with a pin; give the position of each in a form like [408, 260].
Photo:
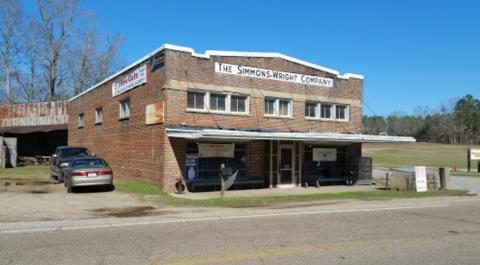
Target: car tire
[69, 186]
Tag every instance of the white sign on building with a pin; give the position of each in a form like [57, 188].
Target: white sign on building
[421, 179]
[324, 154]
[216, 150]
[130, 81]
[247, 71]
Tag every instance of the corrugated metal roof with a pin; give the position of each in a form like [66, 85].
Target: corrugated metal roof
[34, 114]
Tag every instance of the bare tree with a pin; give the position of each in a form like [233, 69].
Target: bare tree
[11, 19]
[55, 28]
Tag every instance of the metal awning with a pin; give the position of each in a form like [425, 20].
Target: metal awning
[218, 134]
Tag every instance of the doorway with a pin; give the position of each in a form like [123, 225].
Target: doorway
[286, 166]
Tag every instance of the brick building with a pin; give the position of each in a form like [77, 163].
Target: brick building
[274, 120]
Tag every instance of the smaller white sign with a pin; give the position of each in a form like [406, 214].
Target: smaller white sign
[324, 154]
[216, 150]
[474, 154]
[130, 81]
[421, 179]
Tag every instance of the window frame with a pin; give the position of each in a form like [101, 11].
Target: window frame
[206, 100]
[346, 113]
[99, 118]
[122, 115]
[228, 98]
[81, 120]
[276, 107]
[333, 111]
[225, 96]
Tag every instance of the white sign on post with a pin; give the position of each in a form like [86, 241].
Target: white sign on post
[474, 154]
[324, 154]
[421, 179]
[130, 81]
[248, 71]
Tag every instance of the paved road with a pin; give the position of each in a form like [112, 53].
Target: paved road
[407, 231]
[466, 183]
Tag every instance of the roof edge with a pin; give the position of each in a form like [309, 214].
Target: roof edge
[207, 55]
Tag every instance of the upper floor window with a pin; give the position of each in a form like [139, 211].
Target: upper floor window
[341, 112]
[99, 116]
[196, 100]
[81, 120]
[278, 107]
[124, 109]
[311, 109]
[217, 102]
[238, 104]
[326, 111]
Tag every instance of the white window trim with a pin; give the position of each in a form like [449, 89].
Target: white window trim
[227, 111]
[97, 120]
[276, 108]
[333, 112]
[121, 113]
[81, 120]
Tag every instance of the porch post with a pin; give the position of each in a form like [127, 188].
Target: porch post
[271, 165]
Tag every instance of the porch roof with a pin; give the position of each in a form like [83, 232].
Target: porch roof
[221, 134]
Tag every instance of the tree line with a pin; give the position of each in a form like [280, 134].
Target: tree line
[53, 52]
[455, 123]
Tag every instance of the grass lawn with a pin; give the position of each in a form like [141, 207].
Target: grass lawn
[148, 189]
[465, 174]
[39, 173]
[417, 154]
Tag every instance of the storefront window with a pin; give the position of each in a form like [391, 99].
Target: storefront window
[209, 167]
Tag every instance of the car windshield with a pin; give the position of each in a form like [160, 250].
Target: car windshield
[88, 163]
[69, 152]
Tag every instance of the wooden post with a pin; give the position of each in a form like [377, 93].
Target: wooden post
[270, 175]
[387, 177]
[444, 176]
[468, 160]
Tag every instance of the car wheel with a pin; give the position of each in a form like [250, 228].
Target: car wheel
[69, 186]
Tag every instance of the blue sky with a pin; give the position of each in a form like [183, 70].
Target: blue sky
[411, 52]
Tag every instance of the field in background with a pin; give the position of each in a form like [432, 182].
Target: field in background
[418, 154]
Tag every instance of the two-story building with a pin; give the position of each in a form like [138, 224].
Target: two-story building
[179, 115]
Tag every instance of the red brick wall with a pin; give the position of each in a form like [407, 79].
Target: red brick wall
[181, 66]
[137, 151]
[134, 150]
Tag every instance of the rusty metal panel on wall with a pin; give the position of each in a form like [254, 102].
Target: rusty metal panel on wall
[34, 114]
[155, 113]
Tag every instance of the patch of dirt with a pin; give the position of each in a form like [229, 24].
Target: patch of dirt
[39, 191]
[137, 211]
